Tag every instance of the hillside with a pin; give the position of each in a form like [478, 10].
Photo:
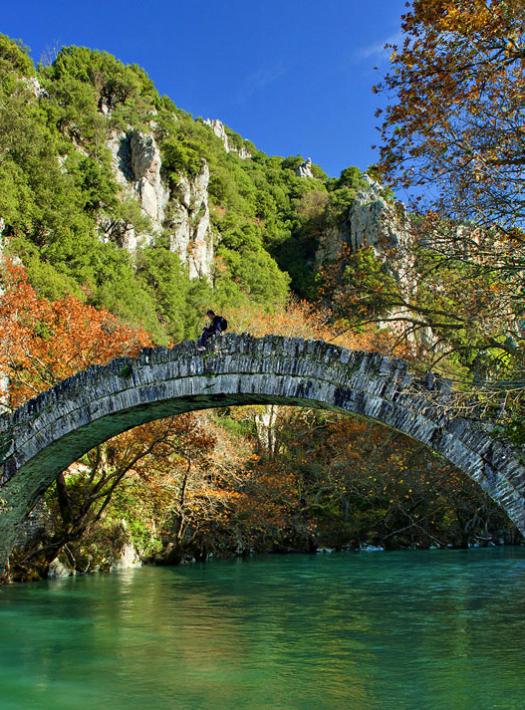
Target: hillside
[111, 192]
[126, 218]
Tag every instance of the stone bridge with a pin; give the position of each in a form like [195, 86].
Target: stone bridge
[51, 431]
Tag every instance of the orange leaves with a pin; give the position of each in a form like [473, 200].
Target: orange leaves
[298, 319]
[462, 16]
[301, 319]
[194, 476]
[458, 86]
[45, 341]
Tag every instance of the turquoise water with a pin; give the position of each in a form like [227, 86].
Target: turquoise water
[439, 629]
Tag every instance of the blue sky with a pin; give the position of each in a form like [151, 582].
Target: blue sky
[293, 76]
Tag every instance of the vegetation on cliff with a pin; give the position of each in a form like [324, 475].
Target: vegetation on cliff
[234, 481]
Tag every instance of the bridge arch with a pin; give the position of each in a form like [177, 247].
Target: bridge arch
[44, 436]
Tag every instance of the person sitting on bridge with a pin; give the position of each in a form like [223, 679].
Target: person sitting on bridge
[217, 325]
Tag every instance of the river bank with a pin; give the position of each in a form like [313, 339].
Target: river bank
[129, 557]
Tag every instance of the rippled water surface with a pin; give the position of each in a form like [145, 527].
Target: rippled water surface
[418, 630]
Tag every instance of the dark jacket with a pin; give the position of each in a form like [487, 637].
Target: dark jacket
[216, 324]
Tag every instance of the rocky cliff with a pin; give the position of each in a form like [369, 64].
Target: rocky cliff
[304, 170]
[219, 129]
[374, 221]
[137, 168]
[183, 212]
[369, 221]
[189, 224]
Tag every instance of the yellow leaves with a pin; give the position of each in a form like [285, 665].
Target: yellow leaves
[296, 319]
[456, 16]
[460, 68]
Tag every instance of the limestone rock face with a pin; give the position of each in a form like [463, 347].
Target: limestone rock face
[370, 221]
[137, 165]
[35, 87]
[146, 164]
[184, 213]
[190, 234]
[218, 128]
[305, 169]
[128, 558]
[58, 570]
[375, 222]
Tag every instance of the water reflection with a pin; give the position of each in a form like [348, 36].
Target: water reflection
[432, 629]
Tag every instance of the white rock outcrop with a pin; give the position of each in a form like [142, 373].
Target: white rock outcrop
[375, 222]
[127, 559]
[305, 169]
[184, 212]
[220, 131]
[58, 570]
[137, 166]
[370, 221]
[36, 88]
[146, 165]
[189, 225]
[385, 226]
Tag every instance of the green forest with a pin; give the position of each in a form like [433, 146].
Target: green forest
[278, 247]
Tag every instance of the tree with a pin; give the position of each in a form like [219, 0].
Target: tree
[81, 495]
[43, 341]
[172, 482]
[357, 482]
[453, 130]
[455, 119]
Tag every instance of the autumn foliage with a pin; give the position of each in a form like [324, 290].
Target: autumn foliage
[44, 341]
[455, 113]
[226, 483]
[313, 321]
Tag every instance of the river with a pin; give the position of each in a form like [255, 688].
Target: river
[435, 629]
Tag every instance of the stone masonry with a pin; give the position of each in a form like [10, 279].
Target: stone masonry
[44, 436]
